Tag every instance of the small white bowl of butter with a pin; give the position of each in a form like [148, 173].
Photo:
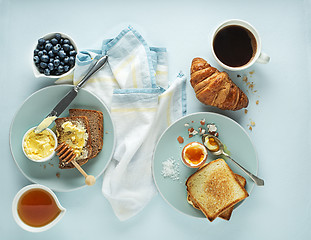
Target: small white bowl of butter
[39, 147]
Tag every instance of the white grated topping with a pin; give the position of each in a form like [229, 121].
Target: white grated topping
[170, 168]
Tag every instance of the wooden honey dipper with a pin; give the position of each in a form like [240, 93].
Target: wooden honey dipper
[66, 154]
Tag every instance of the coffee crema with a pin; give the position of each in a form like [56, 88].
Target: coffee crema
[234, 46]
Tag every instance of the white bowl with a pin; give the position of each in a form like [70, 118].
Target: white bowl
[43, 159]
[34, 67]
[24, 225]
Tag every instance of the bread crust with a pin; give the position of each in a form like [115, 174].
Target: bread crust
[96, 120]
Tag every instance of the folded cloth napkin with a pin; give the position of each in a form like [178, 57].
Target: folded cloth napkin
[143, 103]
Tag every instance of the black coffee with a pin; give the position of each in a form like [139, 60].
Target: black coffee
[234, 46]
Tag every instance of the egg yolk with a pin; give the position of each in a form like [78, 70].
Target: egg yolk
[195, 154]
[212, 145]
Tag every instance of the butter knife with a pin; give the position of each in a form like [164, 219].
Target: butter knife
[64, 103]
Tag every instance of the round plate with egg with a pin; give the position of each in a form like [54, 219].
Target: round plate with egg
[169, 171]
[32, 112]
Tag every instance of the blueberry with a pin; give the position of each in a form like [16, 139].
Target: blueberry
[56, 62]
[40, 47]
[35, 52]
[41, 70]
[61, 54]
[54, 41]
[51, 66]
[44, 51]
[60, 69]
[51, 60]
[43, 65]
[36, 59]
[66, 47]
[48, 46]
[73, 53]
[47, 41]
[47, 71]
[62, 63]
[56, 57]
[58, 36]
[66, 68]
[41, 41]
[66, 41]
[56, 48]
[61, 41]
[71, 60]
[40, 53]
[50, 53]
[66, 60]
[71, 47]
[45, 58]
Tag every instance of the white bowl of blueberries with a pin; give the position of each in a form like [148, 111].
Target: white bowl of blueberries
[54, 56]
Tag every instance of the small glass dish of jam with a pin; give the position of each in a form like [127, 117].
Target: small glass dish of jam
[36, 208]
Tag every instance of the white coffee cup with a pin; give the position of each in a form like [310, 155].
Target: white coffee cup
[258, 56]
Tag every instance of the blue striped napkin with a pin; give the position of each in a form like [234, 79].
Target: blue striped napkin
[143, 103]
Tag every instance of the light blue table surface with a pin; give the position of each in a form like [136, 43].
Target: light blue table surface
[279, 210]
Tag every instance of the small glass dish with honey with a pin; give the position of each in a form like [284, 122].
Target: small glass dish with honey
[36, 208]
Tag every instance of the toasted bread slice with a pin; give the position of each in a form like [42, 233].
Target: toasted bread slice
[96, 127]
[227, 213]
[65, 131]
[214, 188]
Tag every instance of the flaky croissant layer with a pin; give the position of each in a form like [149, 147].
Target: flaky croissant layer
[215, 88]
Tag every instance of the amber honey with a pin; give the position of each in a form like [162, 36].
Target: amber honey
[37, 208]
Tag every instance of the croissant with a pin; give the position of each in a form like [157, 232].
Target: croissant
[215, 88]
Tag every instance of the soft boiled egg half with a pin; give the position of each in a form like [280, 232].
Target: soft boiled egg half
[194, 154]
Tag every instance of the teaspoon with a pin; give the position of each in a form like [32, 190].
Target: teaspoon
[220, 151]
